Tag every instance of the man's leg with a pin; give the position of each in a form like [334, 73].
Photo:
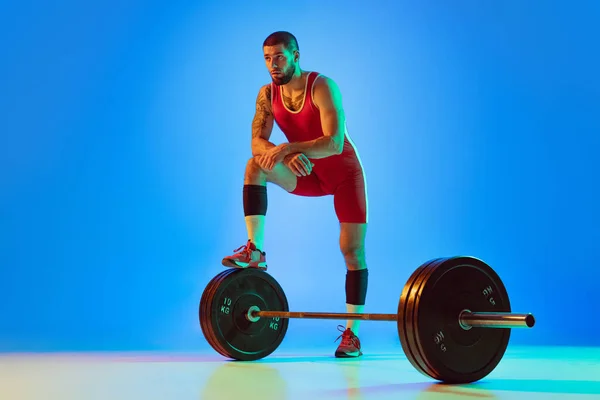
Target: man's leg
[255, 196]
[352, 245]
[350, 201]
[255, 210]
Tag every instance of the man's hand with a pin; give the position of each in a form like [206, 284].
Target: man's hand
[261, 161]
[275, 155]
[299, 164]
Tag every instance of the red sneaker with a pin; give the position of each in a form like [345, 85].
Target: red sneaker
[247, 256]
[350, 346]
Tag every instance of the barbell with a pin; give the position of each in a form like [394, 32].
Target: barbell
[454, 317]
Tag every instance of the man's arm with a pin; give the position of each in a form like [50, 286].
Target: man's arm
[262, 123]
[328, 99]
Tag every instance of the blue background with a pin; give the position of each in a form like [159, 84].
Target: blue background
[125, 128]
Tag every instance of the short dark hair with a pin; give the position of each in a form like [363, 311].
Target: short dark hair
[282, 37]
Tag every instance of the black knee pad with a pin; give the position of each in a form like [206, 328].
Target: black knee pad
[356, 286]
[255, 200]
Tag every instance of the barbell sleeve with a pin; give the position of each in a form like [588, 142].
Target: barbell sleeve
[468, 320]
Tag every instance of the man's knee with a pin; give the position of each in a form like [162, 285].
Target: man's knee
[253, 169]
[354, 257]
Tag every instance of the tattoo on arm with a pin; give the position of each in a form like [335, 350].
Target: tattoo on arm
[263, 112]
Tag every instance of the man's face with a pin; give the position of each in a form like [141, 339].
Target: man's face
[281, 63]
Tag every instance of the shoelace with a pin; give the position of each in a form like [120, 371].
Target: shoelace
[244, 249]
[347, 337]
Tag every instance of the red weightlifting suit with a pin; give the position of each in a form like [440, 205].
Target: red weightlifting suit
[340, 175]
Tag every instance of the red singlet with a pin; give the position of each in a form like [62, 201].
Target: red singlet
[340, 175]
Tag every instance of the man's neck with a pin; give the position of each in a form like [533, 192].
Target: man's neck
[296, 83]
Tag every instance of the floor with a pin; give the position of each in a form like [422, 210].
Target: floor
[524, 373]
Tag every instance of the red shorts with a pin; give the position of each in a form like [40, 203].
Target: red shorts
[349, 194]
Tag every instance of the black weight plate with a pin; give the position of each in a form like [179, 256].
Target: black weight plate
[204, 314]
[235, 294]
[412, 303]
[450, 353]
[401, 320]
[202, 311]
[206, 305]
[208, 319]
[408, 299]
[412, 312]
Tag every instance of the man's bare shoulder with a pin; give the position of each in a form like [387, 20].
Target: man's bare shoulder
[325, 82]
[325, 91]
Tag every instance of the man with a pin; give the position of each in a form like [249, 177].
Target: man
[319, 159]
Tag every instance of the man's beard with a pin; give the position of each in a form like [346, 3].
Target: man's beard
[285, 78]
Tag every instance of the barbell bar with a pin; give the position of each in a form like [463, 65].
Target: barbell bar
[466, 318]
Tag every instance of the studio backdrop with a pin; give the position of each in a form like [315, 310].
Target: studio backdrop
[125, 130]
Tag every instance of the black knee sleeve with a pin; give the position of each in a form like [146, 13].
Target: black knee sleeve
[255, 200]
[356, 286]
